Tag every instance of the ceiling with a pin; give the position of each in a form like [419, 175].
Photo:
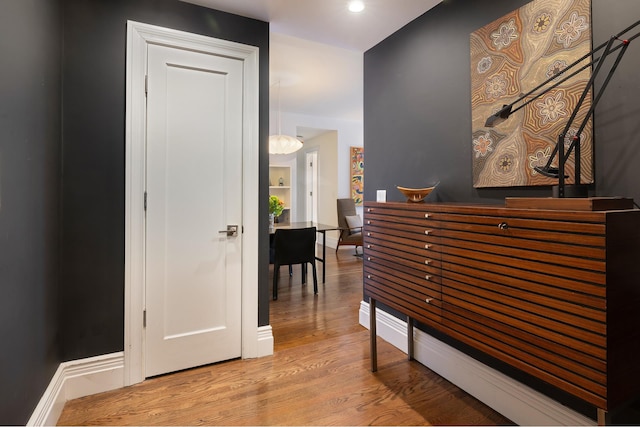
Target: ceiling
[329, 21]
[317, 47]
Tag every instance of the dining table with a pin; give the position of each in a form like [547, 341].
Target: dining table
[320, 228]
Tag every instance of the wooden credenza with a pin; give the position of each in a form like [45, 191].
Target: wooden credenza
[553, 293]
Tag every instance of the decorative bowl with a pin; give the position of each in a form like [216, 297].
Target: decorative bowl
[415, 194]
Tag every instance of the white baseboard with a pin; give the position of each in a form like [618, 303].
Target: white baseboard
[75, 379]
[84, 377]
[265, 341]
[514, 400]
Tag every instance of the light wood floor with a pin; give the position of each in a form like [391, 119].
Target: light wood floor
[319, 374]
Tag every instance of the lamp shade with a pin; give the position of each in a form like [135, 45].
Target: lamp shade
[283, 144]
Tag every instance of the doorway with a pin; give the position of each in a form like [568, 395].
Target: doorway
[140, 38]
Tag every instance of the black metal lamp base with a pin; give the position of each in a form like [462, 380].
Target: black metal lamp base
[573, 190]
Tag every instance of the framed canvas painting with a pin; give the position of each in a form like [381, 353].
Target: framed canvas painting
[357, 174]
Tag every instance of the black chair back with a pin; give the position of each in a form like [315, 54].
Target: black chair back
[295, 246]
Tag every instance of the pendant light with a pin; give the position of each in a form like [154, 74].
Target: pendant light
[283, 144]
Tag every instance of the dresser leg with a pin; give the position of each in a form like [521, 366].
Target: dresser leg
[603, 417]
[373, 335]
[410, 337]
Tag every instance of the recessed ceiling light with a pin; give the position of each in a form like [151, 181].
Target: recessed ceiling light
[356, 6]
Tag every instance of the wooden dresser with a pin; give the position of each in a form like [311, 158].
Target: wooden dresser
[553, 293]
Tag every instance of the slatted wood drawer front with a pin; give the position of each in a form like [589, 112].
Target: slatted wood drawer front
[402, 262]
[531, 293]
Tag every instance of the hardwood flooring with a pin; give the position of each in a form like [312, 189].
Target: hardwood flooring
[319, 374]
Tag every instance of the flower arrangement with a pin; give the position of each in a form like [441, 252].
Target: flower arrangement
[276, 206]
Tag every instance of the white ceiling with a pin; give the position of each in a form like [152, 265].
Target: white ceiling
[317, 47]
[329, 21]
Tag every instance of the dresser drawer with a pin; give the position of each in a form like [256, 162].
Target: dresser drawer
[424, 260]
[409, 214]
[418, 279]
[392, 231]
[526, 233]
[421, 298]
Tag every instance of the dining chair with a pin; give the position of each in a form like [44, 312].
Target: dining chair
[272, 251]
[294, 246]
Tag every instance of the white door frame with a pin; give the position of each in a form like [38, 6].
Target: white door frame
[311, 183]
[254, 342]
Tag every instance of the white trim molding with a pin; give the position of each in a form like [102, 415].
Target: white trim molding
[139, 36]
[84, 377]
[76, 379]
[265, 341]
[514, 400]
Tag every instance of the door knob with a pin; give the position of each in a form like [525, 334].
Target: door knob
[231, 231]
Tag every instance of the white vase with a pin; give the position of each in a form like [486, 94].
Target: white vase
[272, 219]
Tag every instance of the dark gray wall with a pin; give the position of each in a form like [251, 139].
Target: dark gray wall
[417, 116]
[617, 117]
[62, 116]
[92, 271]
[417, 113]
[29, 202]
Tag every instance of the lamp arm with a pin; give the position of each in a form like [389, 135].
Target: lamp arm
[598, 95]
[624, 45]
[573, 64]
[508, 110]
[558, 83]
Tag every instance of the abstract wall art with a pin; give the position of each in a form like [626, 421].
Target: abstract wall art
[357, 174]
[510, 57]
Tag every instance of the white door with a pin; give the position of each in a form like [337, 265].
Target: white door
[194, 188]
[312, 185]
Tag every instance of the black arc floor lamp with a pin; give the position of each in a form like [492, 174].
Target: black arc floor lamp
[576, 190]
